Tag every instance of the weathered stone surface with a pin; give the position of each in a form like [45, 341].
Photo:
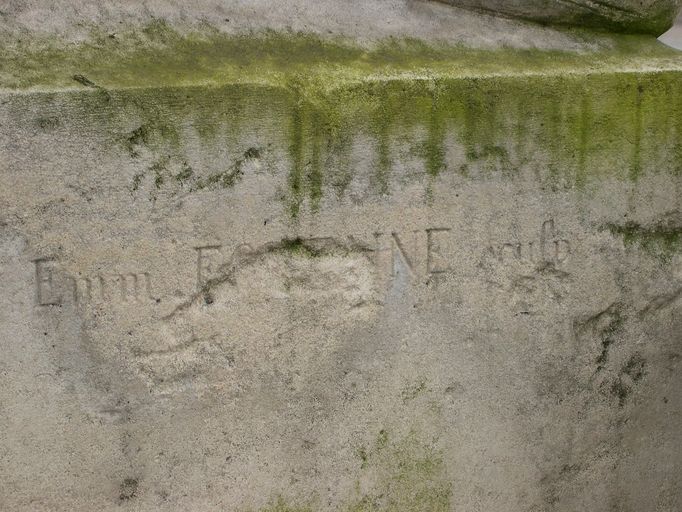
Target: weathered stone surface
[290, 271]
[673, 37]
[645, 16]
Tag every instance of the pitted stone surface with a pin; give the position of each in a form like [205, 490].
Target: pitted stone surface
[282, 271]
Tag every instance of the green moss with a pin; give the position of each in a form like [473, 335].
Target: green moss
[396, 474]
[662, 240]
[282, 506]
[407, 474]
[584, 133]
[298, 247]
[636, 166]
[315, 176]
[155, 133]
[158, 55]
[434, 146]
[297, 155]
[185, 173]
[572, 118]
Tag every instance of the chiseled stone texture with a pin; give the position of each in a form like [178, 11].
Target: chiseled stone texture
[282, 271]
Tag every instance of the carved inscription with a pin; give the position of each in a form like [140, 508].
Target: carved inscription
[45, 293]
[422, 253]
[547, 248]
[208, 261]
[419, 254]
[436, 255]
[55, 286]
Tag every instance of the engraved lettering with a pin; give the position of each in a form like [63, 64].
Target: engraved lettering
[548, 249]
[55, 287]
[135, 287]
[562, 250]
[436, 261]
[418, 254]
[206, 263]
[393, 252]
[81, 288]
[408, 258]
[546, 233]
[45, 292]
[533, 255]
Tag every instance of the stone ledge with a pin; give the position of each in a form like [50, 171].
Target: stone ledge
[568, 129]
[159, 55]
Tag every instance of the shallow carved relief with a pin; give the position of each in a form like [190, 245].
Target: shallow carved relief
[54, 286]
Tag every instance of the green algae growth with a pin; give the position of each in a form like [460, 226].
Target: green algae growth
[569, 118]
